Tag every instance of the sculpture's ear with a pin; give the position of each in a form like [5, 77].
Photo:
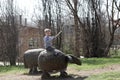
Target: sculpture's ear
[75, 60]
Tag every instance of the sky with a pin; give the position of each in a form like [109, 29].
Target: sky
[27, 7]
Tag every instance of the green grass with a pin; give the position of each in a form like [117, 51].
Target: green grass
[12, 69]
[105, 76]
[94, 63]
[87, 64]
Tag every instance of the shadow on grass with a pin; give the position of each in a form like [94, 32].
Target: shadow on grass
[34, 74]
[70, 77]
[56, 77]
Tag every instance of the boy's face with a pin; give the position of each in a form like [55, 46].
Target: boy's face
[48, 33]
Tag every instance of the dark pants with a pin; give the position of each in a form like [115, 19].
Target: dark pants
[51, 49]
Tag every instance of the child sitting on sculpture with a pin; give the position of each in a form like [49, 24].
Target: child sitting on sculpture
[48, 39]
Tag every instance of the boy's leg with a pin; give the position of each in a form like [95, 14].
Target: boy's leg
[51, 49]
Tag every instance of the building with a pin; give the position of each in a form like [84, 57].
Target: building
[29, 38]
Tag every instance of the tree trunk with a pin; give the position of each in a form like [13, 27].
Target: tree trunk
[109, 45]
[12, 61]
[77, 34]
[12, 52]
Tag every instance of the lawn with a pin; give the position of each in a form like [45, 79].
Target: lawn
[94, 63]
[12, 69]
[105, 76]
[97, 63]
[88, 64]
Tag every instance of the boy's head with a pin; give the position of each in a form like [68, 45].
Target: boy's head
[47, 32]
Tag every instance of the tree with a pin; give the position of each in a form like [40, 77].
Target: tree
[59, 24]
[93, 29]
[9, 32]
[74, 10]
[111, 20]
[93, 34]
[51, 18]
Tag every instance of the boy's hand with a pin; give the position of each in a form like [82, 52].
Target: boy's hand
[58, 34]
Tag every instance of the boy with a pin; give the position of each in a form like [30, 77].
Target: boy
[48, 40]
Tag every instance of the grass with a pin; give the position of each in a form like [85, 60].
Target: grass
[105, 76]
[87, 64]
[94, 63]
[12, 69]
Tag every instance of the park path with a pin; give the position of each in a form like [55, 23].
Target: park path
[75, 74]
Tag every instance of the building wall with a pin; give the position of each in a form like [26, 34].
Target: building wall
[29, 38]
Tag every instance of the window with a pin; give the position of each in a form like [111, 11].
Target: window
[33, 43]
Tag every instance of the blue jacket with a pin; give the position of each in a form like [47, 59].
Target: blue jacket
[48, 41]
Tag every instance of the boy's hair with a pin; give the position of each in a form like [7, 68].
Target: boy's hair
[47, 29]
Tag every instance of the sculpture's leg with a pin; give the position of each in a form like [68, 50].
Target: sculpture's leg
[63, 74]
[35, 71]
[45, 75]
[30, 71]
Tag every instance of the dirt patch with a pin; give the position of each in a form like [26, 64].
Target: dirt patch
[73, 74]
[19, 77]
[37, 77]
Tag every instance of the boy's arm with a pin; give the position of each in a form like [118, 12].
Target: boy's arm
[58, 34]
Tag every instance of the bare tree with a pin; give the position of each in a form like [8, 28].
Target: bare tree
[112, 25]
[47, 5]
[59, 24]
[74, 10]
[94, 34]
[51, 18]
[93, 28]
[9, 32]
